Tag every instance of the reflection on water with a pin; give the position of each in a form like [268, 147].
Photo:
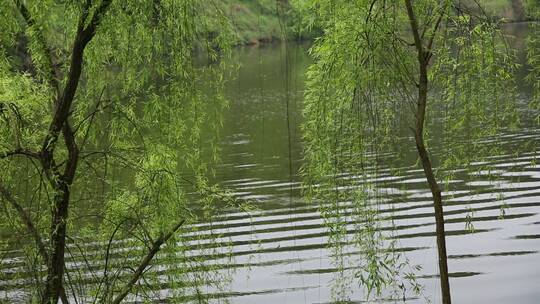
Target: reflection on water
[280, 252]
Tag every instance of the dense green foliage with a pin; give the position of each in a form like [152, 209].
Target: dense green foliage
[144, 116]
[360, 112]
[263, 21]
[533, 9]
[533, 52]
[254, 21]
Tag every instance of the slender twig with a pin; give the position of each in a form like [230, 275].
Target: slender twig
[20, 151]
[156, 246]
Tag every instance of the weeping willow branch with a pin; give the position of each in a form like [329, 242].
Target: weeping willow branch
[53, 76]
[26, 219]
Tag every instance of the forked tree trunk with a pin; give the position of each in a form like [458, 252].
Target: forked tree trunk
[61, 183]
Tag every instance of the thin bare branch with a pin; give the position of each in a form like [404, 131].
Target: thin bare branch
[20, 151]
[156, 246]
[26, 219]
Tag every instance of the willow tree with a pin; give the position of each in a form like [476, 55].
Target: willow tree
[103, 111]
[393, 73]
[533, 50]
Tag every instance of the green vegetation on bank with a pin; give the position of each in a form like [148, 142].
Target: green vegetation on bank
[263, 21]
[510, 10]
[254, 21]
[258, 21]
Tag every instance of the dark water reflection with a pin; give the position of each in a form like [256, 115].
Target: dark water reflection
[280, 251]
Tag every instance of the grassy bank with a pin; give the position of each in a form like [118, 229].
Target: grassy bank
[257, 21]
[510, 10]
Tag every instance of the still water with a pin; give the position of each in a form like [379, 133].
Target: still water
[280, 252]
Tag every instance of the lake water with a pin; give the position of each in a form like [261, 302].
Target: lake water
[280, 252]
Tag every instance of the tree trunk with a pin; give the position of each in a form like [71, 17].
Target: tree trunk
[55, 272]
[433, 185]
[424, 55]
